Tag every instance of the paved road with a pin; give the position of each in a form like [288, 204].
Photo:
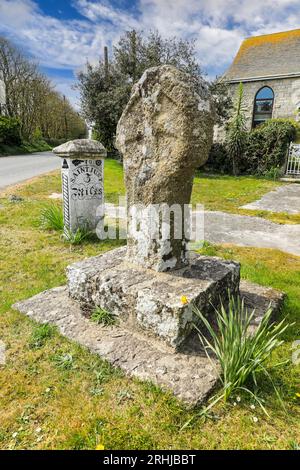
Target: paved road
[14, 169]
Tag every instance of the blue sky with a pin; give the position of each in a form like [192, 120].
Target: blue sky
[63, 34]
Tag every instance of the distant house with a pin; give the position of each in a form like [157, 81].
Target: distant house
[269, 68]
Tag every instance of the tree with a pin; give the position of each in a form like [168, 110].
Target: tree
[104, 95]
[135, 53]
[19, 76]
[222, 100]
[236, 137]
[58, 120]
[32, 100]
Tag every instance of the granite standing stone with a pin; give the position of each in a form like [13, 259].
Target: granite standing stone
[164, 134]
[82, 183]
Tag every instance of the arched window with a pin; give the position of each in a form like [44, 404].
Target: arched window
[263, 105]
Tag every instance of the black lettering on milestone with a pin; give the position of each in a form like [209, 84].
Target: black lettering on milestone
[77, 162]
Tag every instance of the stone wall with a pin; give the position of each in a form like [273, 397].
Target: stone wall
[286, 99]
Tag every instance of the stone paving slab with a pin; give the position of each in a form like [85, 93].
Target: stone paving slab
[190, 377]
[242, 230]
[283, 199]
[189, 374]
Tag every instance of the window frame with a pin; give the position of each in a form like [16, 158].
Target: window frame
[262, 99]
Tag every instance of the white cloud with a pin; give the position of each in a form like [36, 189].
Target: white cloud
[53, 42]
[102, 11]
[218, 27]
[217, 46]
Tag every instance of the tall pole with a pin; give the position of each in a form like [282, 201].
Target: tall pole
[106, 62]
[65, 118]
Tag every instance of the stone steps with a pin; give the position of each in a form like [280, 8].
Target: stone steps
[150, 301]
[188, 373]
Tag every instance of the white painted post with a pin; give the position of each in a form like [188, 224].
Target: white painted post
[82, 183]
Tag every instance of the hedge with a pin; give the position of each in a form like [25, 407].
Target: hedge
[265, 151]
[9, 131]
[267, 146]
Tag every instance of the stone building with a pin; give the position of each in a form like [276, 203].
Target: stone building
[269, 68]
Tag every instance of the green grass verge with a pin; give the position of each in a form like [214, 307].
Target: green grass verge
[56, 395]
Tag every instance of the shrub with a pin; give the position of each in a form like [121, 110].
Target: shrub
[78, 237]
[264, 153]
[219, 160]
[267, 146]
[52, 217]
[54, 142]
[38, 143]
[236, 136]
[10, 131]
[241, 353]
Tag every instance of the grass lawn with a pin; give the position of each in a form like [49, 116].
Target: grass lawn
[228, 193]
[54, 394]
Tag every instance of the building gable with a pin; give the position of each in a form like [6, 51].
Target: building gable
[264, 57]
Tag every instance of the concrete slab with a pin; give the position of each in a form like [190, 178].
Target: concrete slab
[221, 227]
[283, 199]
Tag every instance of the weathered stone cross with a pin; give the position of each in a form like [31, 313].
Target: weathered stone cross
[164, 134]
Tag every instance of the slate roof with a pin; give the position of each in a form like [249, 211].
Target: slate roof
[270, 55]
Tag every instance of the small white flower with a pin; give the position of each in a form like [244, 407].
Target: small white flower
[255, 419]
[38, 430]
[238, 399]
[234, 403]
[14, 435]
[48, 390]
[252, 407]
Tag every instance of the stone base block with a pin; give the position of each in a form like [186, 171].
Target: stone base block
[149, 301]
[190, 375]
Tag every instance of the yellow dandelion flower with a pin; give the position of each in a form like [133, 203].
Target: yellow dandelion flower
[99, 447]
[184, 299]
[298, 395]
